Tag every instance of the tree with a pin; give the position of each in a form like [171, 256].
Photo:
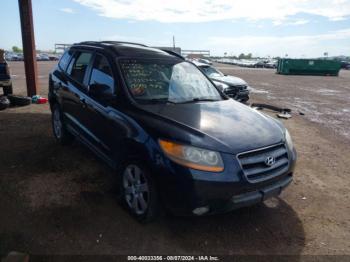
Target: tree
[16, 49]
[241, 56]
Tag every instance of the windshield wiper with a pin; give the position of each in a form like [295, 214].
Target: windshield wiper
[194, 100]
[166, 101]
[159, 101]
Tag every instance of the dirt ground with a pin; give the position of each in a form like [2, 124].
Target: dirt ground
[58, 200]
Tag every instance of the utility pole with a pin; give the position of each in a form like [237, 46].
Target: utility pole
[29, 52]
[174, 43]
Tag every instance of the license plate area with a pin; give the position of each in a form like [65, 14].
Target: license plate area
[271, 192]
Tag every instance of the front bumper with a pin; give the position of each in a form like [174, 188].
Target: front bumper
[241, 95]
[251, 198]
[184, 190]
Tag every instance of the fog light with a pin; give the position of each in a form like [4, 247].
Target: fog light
[200, 210]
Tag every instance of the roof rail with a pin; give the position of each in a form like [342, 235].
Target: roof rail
[122, 42]
[172, 53]
[86, 43]
[107, 42]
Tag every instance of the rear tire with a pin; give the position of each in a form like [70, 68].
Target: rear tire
[59, 129]
[138, 192]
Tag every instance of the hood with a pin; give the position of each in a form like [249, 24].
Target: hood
[229, 80]
[226, 126]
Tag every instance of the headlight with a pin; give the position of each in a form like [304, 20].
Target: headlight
[193, 157]
[221, 86]
[289, 140]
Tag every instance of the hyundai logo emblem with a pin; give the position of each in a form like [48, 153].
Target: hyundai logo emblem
[270, 161]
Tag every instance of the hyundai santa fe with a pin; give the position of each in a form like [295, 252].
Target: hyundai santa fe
[173, 138]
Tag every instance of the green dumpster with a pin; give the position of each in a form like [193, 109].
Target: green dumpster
[323, 67]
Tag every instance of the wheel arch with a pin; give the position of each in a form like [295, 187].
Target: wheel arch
[133, 149]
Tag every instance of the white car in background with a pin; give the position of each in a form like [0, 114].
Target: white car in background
[232, 86]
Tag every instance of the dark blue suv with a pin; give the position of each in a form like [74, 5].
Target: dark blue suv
[172, 137]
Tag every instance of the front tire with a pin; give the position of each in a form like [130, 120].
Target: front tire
[59, 128]
[138, 192]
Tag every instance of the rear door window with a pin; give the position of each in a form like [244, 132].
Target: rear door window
[78, 66]
[101, 74]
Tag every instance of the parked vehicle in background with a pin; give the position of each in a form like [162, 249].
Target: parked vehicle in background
[204, 61]
[5, 77]
[53, 57]
[232, 86]
[260, 64]
[20, 57]
[8, 56]
[171, 135]
[271, 64]
[42, 57]
[13, 56]
[345, 65]
[251, 63]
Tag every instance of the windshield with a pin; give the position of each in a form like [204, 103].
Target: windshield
[211, 71]
[168, 81]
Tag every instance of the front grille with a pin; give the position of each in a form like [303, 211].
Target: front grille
[256, 170]
[233, 90]
[241, 87]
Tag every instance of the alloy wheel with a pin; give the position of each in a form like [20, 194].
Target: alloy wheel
[57, 123]
[136, 189]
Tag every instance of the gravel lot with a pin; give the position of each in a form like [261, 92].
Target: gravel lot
[57, 200]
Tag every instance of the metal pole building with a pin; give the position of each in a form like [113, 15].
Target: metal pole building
[29, 51]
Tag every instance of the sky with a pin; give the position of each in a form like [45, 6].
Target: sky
[297, 28]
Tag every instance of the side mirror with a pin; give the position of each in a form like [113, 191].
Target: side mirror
[100, 91]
